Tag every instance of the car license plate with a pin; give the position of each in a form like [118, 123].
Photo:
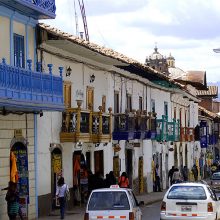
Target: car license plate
[187, 208]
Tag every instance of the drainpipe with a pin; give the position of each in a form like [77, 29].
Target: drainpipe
[36, 164]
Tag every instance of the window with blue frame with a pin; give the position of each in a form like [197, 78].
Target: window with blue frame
[19, 51]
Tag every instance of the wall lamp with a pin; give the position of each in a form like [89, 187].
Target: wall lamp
[92, 78]
[68, 71]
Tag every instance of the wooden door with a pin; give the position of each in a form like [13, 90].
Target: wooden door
[99, 165]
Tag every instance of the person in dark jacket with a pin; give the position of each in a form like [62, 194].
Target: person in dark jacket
[110, 179]
[170, 174]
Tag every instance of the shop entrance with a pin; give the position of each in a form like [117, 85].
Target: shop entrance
[56, 172]
[80, 178]
[19, 160]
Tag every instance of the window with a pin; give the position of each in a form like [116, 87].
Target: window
[129, 103]
[19, 51]
[109, 200]
[67, 94]
[187, 192]
[116, 102]
[152, 105]
[140, 103]
[166, 108]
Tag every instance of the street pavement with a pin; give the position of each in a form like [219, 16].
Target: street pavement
[78, 212]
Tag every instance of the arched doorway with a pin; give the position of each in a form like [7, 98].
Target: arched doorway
[56, 172]
[19, 150]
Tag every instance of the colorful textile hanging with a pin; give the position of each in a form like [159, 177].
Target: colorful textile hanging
[14, 170]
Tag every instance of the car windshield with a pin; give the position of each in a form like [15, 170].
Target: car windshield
[187, 192]
[114, 200]
[216, 176]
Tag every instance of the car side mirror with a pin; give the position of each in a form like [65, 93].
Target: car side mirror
[141, 203]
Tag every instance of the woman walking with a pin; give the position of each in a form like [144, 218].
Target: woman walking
[62, 189]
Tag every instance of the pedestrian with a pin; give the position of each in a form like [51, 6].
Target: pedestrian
[185, 173]
[157, 179]
[177, 178]
[98, 181]
[12, 198]
[62, 190]
[195, 172]
[123, 180]
[170, 174]
[110, 179]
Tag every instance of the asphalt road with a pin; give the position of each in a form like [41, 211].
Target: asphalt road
[151, 212]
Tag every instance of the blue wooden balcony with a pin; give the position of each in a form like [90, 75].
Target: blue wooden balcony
[213, 139]
[37, 9]
[124, 126]
[173, 131]
[29, 91]
[162, 129]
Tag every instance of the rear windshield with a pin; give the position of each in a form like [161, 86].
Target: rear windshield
[216, 176]
[187, 192]
[114, 200]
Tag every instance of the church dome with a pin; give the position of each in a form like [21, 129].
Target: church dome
[156, 55]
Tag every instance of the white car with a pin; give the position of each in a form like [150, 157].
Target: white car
[190, 201]
[112, 203]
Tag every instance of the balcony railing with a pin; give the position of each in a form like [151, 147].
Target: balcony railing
[29, 90]
[134, 125]
[37, 9]
[167, 131]
[182, 134]
[85, 126]
[190, 136]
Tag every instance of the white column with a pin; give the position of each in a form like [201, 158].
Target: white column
[147, 157]
[184, 153]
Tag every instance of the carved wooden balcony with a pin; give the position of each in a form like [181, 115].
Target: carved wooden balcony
[124, 126]
[190, 134]
[37, 9]
[183, 134]
[85, 126]
[30, 91]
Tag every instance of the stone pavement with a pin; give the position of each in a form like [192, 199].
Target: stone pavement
[78, 212]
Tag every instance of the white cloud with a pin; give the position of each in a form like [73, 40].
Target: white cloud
[186, 28]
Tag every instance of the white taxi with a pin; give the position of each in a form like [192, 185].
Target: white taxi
[112, 203]
[190, 201]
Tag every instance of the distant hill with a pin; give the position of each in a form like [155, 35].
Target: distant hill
[216, 84]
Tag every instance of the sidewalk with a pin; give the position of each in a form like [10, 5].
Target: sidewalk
[78, 212]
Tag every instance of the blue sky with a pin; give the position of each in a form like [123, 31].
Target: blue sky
[188, 29]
